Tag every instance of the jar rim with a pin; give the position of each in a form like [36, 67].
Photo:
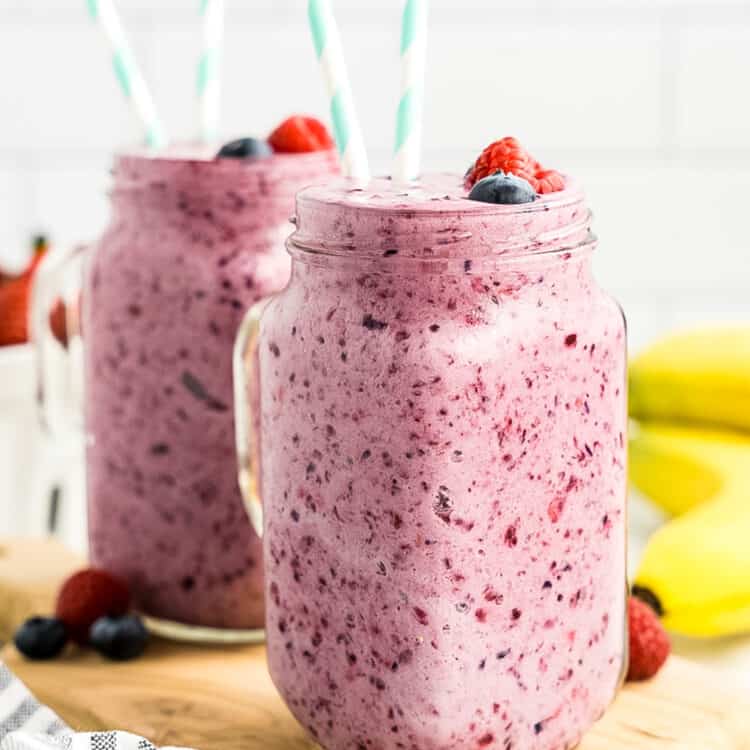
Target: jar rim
[197, 171]
[433, 220]
[203, 156]
[478, 265]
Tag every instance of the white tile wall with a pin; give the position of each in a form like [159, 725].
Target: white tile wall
[644, 99]
[712, 61]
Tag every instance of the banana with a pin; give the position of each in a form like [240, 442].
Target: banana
[696, 568]
[700, 376]
[679, 467]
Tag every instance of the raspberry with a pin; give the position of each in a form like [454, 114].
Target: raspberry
[649, 643]
[299, 134]
[548, 181]
[506, 155]
[88, 595]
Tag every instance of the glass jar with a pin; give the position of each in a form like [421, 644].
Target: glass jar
[192, 242]
[440, 408]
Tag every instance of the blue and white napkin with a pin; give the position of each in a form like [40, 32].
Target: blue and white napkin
[25, 724]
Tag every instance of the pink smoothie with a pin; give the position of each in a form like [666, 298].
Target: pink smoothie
[443, 416]
[191, 244]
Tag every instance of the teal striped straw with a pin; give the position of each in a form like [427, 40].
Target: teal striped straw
[127, 72]
[406, 160]
[209, 69]
[346, 128]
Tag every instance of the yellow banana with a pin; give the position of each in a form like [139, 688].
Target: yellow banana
[697, 566]
[698, 376]
[679, 467]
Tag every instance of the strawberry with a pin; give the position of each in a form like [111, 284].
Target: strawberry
[298, 134]
[15, 297]
[14, 305]
[88, 595]
[649, 643]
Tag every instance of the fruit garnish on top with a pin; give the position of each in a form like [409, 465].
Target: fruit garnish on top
[503, 187]
[245, 148]
[505, 172]
[297, 134]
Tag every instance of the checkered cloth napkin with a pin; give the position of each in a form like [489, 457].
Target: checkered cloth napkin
[25, 724]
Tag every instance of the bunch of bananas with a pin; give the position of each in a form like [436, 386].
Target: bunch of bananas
[690, 454]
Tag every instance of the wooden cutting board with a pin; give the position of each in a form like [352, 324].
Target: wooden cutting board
[221, 698]
[30, 574]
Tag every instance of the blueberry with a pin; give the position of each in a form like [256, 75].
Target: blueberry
[502, 188]
[245, 148]
[41, 637]
[119, 638]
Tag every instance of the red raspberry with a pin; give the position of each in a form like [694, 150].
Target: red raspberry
[548, 181]
[649, 643]
[507, 155]
[299, 134]
[88, 595]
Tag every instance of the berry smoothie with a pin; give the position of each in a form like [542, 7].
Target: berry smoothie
[193, 241]
[442, 450]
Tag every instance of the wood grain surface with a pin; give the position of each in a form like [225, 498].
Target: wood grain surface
[222, 698]
[30, 574]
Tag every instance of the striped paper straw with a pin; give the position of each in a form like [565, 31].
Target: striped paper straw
[406, 160]
[346, 127]
[127, 71]
[209, 68]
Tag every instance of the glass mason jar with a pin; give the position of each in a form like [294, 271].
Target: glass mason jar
[436, 420]
[191, 244]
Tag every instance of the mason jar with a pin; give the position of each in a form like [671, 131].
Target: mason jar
[192, 242]
[431, 427]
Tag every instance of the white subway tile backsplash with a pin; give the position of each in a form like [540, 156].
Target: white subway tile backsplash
[665, 227]
[642, 100]
[562, 86]
[558, 102]
[72, 202]
[268, 74]
[16, 195]
[712, 105]
[59, 90]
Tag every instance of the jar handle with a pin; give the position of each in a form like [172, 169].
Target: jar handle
[55, 325]
[246, 417]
